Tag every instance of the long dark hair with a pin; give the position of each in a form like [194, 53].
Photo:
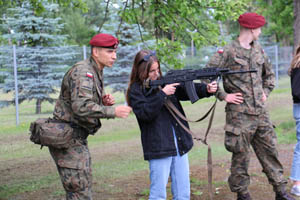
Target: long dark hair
[296, 61]
[141, 67]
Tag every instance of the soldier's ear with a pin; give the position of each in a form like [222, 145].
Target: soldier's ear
[95, 51]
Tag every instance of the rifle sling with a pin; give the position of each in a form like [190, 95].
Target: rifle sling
[174, 111]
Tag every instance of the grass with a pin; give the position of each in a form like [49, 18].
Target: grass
[116, 149]
[286, 133]
[26, 185]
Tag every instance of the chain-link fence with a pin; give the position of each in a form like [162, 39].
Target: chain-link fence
[37, 73]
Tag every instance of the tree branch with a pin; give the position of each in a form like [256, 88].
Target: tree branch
[105, 17]
[137, 22]
[121, 21]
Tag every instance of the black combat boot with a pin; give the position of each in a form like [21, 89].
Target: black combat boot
[283, 196]
[244, 196]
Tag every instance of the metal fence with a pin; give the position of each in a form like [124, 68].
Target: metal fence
[11, 60]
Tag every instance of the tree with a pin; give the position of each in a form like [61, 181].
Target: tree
[39, 7]
[130, 43]
[279, 18]
[171, 21]
[81, 25]
[296, 23]
[39, 67]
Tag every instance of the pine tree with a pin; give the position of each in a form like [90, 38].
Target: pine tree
[117, 77]
[41, 64]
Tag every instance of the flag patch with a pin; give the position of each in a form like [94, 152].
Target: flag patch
[220, 51]
[90, 75]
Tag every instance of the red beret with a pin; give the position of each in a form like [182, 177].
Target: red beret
[104, 40]
[251, 20]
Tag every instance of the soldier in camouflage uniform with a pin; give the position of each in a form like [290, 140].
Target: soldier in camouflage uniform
[247, 119]
[82, 102]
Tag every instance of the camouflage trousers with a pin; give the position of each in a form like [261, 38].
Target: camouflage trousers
[74, 168]
[242, 132]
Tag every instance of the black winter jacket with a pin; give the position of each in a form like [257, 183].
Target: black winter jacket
[295, 84]
[156, 122]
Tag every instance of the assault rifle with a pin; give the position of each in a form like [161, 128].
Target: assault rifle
[186, 76]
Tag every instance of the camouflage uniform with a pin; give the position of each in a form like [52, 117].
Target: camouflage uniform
[248, 123]
[79, 103]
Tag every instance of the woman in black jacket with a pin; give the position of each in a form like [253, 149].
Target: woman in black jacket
[294, 72]
[165, 143]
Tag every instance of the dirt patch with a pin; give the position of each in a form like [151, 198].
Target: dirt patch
[136, 185]
[260, 189]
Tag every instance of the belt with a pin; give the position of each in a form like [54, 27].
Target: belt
[79, 132]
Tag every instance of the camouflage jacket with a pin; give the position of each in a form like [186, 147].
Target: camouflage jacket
[80, 99]
[251, 85]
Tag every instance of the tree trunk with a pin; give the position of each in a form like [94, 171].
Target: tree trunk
[296, 23]
[38, 107]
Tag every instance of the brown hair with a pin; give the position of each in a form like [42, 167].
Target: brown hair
[140, 69]
[296, 61]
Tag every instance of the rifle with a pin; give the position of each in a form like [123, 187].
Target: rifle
[187, 76]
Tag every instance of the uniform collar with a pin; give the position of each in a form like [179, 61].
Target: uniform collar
[96, 67]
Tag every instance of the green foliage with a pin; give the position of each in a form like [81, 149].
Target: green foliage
[24, 27]
[130, 44]
[175, 23]
[77, 27]
[170, 53]
[81, 25]
[280, 19]
[39, 7]
[37, 57]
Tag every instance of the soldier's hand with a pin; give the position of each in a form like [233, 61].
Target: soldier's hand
[235, 98]
[170, 88]
[122, 111]
[212, 87]
[108, 100]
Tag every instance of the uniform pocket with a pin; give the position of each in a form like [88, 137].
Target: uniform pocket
[240, 61]
[234, 141]
[86, 88]
[239, 64]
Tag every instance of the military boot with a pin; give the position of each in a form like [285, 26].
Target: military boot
[244, 196]
[284, 196]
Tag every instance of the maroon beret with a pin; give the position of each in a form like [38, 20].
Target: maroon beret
[104, 40]
[251, 20]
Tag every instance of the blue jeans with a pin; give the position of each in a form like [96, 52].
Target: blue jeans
[295, 173]
[175, 166]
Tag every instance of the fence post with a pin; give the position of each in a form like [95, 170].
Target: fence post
[192, 48]
[276, 64]
[16, 85]
[84, 52]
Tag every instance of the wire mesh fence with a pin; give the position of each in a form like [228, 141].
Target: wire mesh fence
[39, 72]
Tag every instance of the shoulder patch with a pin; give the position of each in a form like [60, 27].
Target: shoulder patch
[89, 74]
[220, 51]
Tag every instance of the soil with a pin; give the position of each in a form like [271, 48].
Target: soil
[133, 187]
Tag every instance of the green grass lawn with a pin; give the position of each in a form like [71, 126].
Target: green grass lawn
[115, 148]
